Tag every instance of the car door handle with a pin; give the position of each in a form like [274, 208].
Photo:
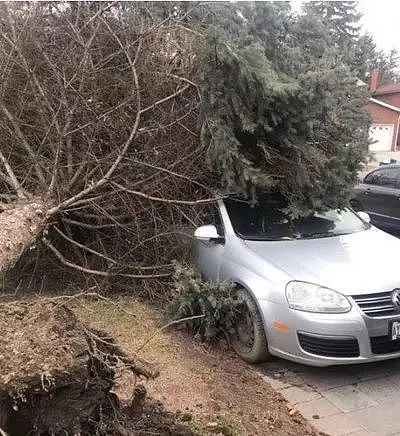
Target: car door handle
[367, 191]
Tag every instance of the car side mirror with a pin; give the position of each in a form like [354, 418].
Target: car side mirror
[208, 233]
[364, 216]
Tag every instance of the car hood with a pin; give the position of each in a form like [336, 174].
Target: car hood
[358, 263]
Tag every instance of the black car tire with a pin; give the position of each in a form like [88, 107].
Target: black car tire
[257, 350]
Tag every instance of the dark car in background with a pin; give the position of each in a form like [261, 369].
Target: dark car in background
[379, 196]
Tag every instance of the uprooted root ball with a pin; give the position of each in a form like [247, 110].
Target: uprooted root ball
[56, 374]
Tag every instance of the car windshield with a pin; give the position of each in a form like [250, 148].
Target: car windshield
[269, 220]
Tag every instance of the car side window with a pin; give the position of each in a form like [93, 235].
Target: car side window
[386, 177]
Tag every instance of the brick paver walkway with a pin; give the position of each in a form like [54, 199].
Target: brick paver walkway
[354, 400]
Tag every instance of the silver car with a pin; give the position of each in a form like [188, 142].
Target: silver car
[320, 290]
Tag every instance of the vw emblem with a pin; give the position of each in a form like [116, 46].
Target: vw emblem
[396, 298]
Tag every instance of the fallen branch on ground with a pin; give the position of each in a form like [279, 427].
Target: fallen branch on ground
[174, 322]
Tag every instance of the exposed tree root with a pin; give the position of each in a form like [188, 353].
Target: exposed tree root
[56, 374]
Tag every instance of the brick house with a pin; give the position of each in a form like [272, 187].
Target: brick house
[384, 107]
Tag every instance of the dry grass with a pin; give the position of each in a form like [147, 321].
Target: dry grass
[211, 389]
[131, 331]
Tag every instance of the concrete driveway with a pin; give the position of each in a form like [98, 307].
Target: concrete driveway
[344, 400]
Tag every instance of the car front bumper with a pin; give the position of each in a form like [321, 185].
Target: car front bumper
[340, 329]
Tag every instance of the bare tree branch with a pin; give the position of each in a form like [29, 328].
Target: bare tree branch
[172, 173]
[72, 265]
[87, 225]
[165, 99]
[124, 149]
[107, 258]
[167, 200]
[21, 193]
[24, 142]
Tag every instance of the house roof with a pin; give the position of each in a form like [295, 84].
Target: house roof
[388, 89]
[387, 106]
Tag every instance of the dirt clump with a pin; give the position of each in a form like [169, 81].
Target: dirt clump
[57, 374]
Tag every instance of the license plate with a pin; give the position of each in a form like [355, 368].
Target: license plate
[395, 330]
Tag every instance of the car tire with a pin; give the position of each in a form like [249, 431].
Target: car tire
[256, 350]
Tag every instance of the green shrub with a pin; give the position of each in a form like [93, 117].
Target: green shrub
[216, 301]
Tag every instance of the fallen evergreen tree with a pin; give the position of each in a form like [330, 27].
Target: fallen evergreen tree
[120, 121]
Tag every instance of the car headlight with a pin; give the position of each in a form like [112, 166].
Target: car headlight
[313, 298]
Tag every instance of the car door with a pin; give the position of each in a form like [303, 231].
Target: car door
[208, 255]
[379, 196]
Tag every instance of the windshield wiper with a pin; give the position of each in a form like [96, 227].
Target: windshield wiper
[318, 235]
[323, 235]
[261, 238]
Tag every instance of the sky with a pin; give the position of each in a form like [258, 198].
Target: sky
[381, 18]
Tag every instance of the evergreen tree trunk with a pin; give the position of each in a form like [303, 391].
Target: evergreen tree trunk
[20, 228]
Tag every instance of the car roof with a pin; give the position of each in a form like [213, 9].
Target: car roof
[382, 167]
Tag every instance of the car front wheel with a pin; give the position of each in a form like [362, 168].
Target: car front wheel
[248, 339]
